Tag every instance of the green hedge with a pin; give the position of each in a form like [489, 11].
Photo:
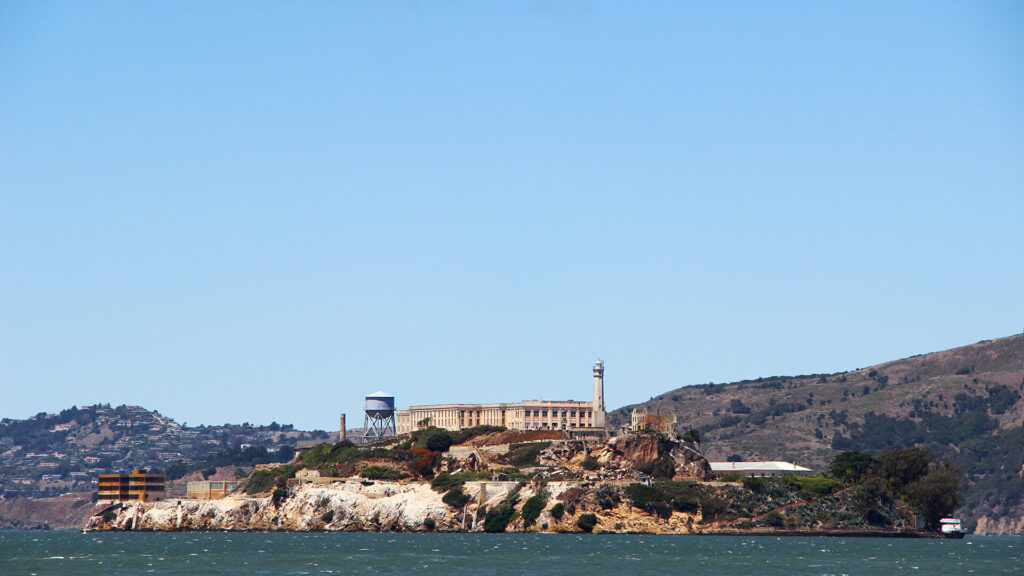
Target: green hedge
[380, 473]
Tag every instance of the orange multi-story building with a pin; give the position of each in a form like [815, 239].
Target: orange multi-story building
[139, 485]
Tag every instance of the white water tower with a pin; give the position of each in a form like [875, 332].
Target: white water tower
[380, 416]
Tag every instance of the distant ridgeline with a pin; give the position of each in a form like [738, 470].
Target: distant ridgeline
[963, 405]
[50, 454]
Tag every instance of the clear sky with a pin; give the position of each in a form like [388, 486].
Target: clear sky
[260, 211]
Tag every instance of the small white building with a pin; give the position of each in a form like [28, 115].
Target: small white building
[774, 468]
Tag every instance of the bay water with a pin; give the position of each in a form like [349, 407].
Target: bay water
[109, 554]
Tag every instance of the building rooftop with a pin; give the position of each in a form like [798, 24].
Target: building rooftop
[772, 466]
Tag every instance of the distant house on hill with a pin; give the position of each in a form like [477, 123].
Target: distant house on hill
[775, 468]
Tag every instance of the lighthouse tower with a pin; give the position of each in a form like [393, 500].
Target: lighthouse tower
[599, 394]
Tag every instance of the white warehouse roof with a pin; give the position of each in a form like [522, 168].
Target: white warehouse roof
[757, 467]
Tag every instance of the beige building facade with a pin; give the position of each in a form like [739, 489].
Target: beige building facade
[663, 420]
[525, 415]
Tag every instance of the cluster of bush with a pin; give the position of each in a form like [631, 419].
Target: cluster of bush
[662, 498]
[525, 455]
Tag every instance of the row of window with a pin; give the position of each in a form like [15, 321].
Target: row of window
[544, 413]
[548, 426]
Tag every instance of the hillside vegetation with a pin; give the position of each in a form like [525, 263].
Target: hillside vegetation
[964, 405]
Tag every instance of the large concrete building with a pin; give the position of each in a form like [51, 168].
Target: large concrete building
[525, 415]
[139, 485]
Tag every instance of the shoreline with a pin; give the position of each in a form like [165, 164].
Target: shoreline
[899, 534]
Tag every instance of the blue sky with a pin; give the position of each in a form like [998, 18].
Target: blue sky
[259, 211]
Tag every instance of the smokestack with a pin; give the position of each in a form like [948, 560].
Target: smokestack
[341, 435]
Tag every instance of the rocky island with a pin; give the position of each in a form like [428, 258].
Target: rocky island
[495, 480]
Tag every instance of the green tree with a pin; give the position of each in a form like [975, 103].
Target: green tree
[557, 511]
[439, 441]
[902, 467]
[936, 494]
[533, 507]
[851, 467]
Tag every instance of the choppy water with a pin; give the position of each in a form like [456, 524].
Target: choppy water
[68, 552]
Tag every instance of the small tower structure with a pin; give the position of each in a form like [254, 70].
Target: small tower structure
[599, 394]
[380, 416]
[341, 433]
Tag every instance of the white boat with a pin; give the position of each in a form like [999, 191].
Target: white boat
[951, 528]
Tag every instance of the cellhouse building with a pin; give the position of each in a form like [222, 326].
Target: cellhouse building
[525, 415]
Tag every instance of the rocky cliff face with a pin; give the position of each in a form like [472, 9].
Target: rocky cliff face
[352, 506]
[1004, 525]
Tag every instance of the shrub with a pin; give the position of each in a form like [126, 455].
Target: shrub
[263, 480]
[280, 494]
[590, 463]
[607, 496]
[643, 496]
[713, 508]
[326, 455]
[533, 507]
[429, 524]
[455, 498]
[327, 516]
[423, 463]
[498, 518]
[736, 406]
[380, 473]
[774, 518]
[260, 481]
[557, 511]
[754, 484]
[586, 522]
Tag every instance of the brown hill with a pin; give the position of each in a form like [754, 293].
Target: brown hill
[964, 404]
[61, 512]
